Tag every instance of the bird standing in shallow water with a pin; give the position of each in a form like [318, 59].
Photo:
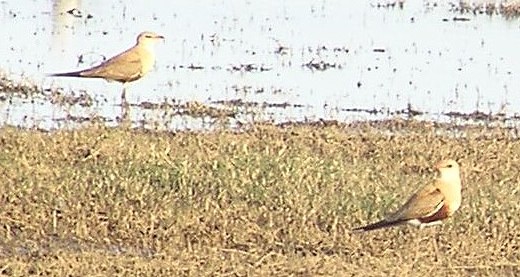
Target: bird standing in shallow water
[429, 205]
[125, 67]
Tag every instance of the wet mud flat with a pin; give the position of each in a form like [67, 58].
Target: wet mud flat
[233, 113]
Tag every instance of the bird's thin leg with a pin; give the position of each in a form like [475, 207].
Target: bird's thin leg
[125, 113]
[125, 107]
[417, 249]
[123, 96]
[435, 246]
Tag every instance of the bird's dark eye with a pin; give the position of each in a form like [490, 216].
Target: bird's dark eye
[450, 166]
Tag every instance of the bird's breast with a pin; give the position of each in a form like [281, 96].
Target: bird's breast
[147, 61]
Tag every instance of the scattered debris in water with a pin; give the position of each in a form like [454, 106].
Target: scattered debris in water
[249, 68]
[24, 87]
[321, 65]
[508, 9]
[192, 108]
[478, 116]
[58, 96]
[246, 104]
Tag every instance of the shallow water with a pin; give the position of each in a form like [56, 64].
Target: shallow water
[300, 60]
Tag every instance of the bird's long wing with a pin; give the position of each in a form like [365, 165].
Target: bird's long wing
[424, 203]
[125, 67]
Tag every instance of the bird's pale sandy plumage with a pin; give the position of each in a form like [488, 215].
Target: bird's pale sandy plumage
[126, 67]
[430, 204]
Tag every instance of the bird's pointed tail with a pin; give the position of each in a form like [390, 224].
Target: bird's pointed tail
[67, 74]
[377, 225]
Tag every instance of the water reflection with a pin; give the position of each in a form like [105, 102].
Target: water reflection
[65, 14]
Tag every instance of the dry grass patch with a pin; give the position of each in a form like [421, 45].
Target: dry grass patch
[268, 201]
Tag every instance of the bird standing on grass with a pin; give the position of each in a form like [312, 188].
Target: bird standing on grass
[126, 67]
[429, 205]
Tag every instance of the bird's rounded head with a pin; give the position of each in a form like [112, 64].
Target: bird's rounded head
[448, 169]
[448, 164]
[148, 36]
